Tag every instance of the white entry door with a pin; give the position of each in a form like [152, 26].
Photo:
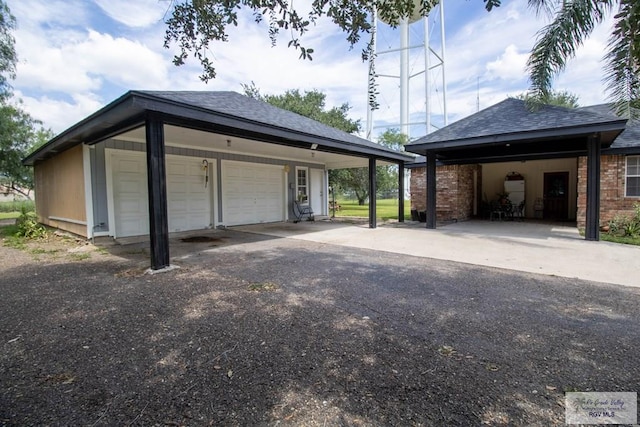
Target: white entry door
[317, 190]
[252, 193]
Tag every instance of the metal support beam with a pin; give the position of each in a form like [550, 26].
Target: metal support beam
[373, 189]
[592, 227]
[400, 192]
[156, 181]
[431, 190]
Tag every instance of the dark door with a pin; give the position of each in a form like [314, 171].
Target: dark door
[556, 195]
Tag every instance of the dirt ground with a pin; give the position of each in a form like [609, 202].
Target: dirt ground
[253, 330]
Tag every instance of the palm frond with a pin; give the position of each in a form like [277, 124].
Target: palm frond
[558, 41]
[622, 72]
[545, 7]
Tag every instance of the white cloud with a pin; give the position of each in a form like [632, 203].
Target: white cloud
[509, 66]
[136, 13]
[31, 13]
[83, 63]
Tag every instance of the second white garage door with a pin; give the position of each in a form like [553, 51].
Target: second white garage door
[252, 193]
[189, 205]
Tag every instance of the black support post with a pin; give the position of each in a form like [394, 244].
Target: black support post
[431, 191]
[373, 189]
[400, 192]
[157, 184]
[592, 227]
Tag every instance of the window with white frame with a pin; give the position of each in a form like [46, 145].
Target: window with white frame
[632, 177]
[302, 185]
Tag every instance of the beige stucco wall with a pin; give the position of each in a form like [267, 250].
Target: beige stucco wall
[59, 191]
[493, 175]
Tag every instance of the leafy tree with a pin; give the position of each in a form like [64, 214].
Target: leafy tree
[311, 104]
[357, 179]
[387, 176]
[194, 24]
[8, 57]
[19, 135]
[559, 98]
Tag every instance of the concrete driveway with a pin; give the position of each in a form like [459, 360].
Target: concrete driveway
[535, 247]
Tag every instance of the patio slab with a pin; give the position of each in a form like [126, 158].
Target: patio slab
[535, 247]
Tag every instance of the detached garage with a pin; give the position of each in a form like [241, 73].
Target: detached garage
[152, 163]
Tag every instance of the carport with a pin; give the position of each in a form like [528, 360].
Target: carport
[224, 126]
[511, 131]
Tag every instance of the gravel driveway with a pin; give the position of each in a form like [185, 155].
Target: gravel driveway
[259, 331]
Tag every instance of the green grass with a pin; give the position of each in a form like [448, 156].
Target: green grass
[9, 215]
[12, 207]
[627, 240]
[385, 209]
[8, 230]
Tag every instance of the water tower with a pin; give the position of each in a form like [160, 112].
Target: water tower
[408, 71]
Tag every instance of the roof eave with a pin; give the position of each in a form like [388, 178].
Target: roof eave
[205, 115]
[516, 137]
[83, 130]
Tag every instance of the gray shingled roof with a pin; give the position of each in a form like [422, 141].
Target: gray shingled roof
[237, 105]
[246, 115]
[512, 116]
[549, 131]
[629, 139]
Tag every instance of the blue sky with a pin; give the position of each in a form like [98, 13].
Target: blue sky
[75, 56]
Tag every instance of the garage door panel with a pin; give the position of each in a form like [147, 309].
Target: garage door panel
[188, 200]
[252, 193]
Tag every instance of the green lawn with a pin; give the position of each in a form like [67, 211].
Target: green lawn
[385, 209]
[9, 215]
[627, 240]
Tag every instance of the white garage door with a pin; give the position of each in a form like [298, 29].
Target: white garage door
[252, 193]
[188, 200]
[130, 202]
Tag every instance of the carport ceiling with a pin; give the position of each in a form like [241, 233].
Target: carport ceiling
[177, 136]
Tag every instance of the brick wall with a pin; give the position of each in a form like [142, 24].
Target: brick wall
[454, 191]
[612, 200]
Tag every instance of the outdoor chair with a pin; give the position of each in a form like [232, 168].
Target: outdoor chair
[497, 211]
[518, 211]
[301, 212]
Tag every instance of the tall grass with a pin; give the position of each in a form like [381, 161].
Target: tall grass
[17, 206]
[11, 210]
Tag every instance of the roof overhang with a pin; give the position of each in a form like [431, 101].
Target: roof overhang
[131, 110]
[527, 145]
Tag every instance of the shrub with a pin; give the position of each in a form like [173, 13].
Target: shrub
[622, 225]
[28, 226]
